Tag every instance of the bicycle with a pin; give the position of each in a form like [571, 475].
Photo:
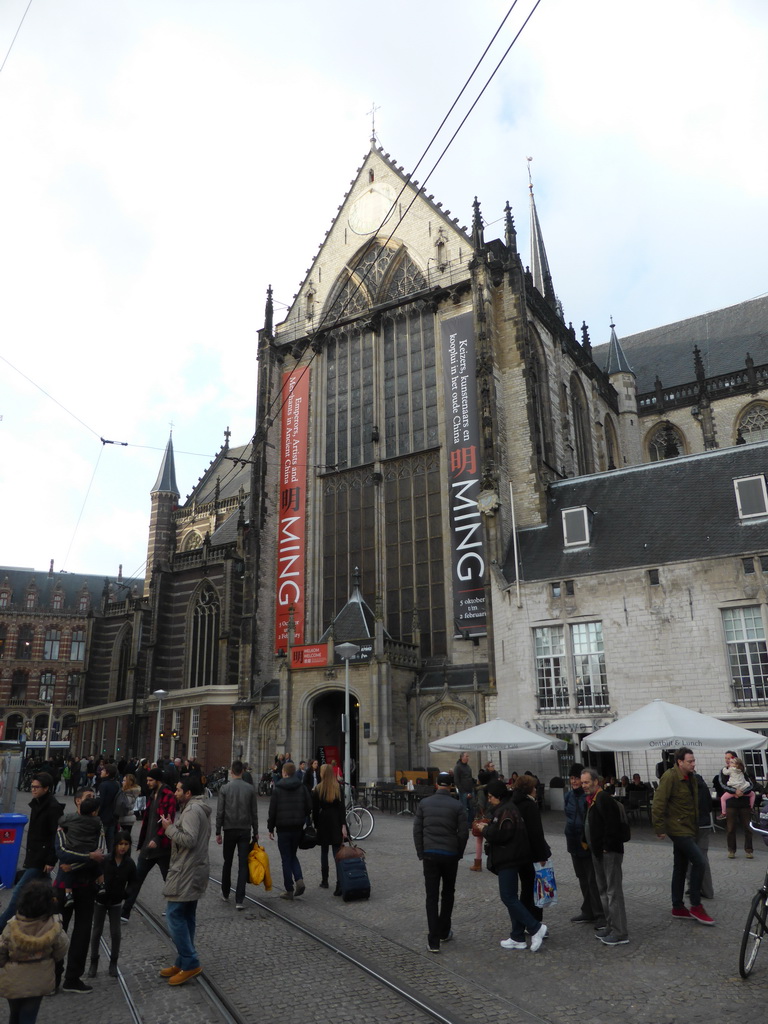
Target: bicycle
[757, 923]
[360, 821]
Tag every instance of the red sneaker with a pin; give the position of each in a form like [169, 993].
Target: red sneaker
[699, 914]
[683, 913]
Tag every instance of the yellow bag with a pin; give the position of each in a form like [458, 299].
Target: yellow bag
[258, 867]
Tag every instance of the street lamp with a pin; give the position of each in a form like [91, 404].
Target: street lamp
[161, 695]
[346, 651]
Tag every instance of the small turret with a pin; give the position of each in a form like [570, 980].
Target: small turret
[165, 498]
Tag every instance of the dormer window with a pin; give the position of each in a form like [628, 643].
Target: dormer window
[576, 526]
[751, 496]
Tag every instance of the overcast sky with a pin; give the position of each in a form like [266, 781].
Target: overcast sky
[165, 160]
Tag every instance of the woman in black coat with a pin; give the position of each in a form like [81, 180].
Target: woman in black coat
[329, 819]
[524, 798]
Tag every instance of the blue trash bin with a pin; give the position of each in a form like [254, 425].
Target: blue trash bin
[11, 833]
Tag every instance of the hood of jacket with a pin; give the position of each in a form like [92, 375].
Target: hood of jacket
[33, 936]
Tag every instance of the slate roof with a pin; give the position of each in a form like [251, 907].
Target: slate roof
[355, 621]
[672, 511]
[724, 337]
[166, 478]
[68, 583]
[232, 468]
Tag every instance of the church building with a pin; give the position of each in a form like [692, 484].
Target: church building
[424, 417]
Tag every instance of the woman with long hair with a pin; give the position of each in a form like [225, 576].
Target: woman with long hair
[329, 820]
[131, 790]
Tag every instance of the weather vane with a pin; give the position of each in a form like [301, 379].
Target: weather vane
[372, 112]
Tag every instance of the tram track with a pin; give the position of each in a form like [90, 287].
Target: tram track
[411, 986]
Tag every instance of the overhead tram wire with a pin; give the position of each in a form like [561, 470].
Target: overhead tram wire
[8, 53]
[277, 403]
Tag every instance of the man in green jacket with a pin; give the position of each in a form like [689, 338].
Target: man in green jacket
[676, 814]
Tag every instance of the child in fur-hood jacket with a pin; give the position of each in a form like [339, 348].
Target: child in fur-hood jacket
[30, 944]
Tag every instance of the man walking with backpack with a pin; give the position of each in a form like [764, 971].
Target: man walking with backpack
[605, 836]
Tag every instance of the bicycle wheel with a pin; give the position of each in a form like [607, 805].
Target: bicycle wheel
[754, 930]
[354, 825]
[366, 821]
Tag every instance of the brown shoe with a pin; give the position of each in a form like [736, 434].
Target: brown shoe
[477, 866]
[182, 976]
[168, 972]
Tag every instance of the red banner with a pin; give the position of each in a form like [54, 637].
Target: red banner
[291, 546]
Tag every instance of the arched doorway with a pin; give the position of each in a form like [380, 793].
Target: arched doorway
[327, 732]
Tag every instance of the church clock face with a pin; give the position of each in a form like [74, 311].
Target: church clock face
[372, 209]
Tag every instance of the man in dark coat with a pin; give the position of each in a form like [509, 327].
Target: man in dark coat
[107, 791]
[154, 846]
[575, 806]
[464, 783]
[45, 811]
[237, 815]
[440, 833]
[289, 806]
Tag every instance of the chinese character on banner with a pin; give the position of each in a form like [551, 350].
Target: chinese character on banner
[464, 460]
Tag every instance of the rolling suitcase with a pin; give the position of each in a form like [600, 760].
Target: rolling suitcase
[355, 884]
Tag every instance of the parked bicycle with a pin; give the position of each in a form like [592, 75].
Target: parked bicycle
[756, 927]
[360, 821]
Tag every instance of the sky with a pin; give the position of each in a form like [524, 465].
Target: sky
[164, 161]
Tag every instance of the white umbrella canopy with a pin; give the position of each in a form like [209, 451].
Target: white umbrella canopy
[497, 735]
[663, 726]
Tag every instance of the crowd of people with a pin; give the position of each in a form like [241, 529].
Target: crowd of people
[83, 869]
[506, 821]
[79, 871]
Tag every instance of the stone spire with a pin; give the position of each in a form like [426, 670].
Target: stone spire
[616, 361]
[510, 234]
[166, 478]
[269, 315]
[542, 279]
[165, 497]
[478, 238]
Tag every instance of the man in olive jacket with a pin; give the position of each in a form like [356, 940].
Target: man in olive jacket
[440, 833]
[676, 814]
[187, 877]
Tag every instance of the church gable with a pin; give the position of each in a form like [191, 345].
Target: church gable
[426, 248]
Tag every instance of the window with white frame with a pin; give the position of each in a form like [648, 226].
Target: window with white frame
[589, 664]
[575, 526]
[51, 644]
[47, 684]
[77, 650]
[551, 668]
[747, 653]
[751, 496]
[194, 731]
[579, 654]
[755, 760]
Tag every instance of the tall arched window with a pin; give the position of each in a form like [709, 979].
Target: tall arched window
[13, 727]
[47, 686]
[24, 643]
[666, 442]
[204, 652]
[51, 644]
[540, 408]
[753, 424]
[123, 665]
[582, 435]
[611, 444]
[19, 685]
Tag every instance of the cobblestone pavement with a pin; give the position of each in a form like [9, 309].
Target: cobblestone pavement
[672, 972]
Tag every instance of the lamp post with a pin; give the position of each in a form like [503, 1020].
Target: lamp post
[161, 695]
[346, 651]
